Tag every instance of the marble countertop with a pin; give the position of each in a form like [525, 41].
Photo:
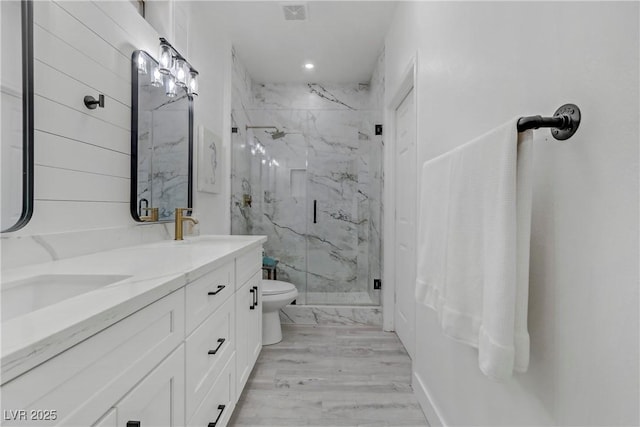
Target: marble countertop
[155, 270]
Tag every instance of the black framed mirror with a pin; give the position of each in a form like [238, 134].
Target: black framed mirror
[161, 142]
[16, 96]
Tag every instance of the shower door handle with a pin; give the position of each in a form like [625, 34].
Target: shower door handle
[315, 211]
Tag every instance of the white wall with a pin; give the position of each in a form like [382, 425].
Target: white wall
[82, 157]
[480, 64]
[210, 54]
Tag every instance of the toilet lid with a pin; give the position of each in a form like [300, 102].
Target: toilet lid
[276, 287]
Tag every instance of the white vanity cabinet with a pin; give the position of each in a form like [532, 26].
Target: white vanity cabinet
[83, 383]
[180, 361]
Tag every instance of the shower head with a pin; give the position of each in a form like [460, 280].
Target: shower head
[278, 134]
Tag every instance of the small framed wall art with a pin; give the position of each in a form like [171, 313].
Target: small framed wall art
[210, 161]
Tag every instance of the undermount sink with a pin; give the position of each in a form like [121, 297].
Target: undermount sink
[27, 295]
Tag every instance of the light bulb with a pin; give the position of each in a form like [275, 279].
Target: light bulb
[193, 82]
[142, 64]
[170, 86]
[180, 72]
[156, 77]
[166, 59]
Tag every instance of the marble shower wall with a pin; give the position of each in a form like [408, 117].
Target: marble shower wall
[329, 154]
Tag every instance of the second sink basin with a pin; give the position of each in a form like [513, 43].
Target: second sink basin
[27, 295]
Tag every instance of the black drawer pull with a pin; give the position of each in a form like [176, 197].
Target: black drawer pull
[255, 296]
[253, 299]
[221, 409]
[220, 287]
[220, 342]
[133, 423]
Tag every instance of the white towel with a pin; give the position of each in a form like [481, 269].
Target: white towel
[473, 246]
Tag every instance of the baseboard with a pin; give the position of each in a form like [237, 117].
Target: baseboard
[427, 404]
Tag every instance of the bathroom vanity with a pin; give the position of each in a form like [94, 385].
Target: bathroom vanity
[163, 334]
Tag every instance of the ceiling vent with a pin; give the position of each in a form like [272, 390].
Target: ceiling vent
[295, 12]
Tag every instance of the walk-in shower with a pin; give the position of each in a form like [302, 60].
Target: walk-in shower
[307, 173]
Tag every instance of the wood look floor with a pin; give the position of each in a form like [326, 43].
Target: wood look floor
[330, 376]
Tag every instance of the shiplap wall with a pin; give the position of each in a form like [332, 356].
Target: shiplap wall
[82, 156]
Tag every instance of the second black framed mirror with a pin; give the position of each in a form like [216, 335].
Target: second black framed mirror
[161, 142]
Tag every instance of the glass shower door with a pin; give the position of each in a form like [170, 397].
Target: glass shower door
[279, 199]
[338, 265]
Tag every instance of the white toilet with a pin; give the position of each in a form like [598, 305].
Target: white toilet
[275, 295]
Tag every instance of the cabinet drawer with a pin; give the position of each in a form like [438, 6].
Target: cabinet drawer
[83, 382]
[209, 348]
[247, 265]
[219, 402]
[207, 293]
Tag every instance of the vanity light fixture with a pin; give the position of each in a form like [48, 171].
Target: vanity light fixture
[309, 66]
[176, 70]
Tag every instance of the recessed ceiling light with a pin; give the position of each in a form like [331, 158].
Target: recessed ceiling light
[309, 66]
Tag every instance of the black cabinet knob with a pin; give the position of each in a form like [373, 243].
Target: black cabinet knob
[133, 423]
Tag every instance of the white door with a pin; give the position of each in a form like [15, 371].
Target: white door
[405, 221]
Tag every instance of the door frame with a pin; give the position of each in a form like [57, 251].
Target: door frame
[408, 82]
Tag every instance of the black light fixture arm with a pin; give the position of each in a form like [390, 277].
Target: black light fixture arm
[563, 124]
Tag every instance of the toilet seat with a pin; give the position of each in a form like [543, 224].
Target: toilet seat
[276, 287]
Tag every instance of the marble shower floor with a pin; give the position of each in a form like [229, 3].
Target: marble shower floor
[330, 376]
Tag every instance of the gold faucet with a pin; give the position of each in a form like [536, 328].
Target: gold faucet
[152, 217]
[180, 219]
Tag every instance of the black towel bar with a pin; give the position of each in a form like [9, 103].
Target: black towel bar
[563, 124]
